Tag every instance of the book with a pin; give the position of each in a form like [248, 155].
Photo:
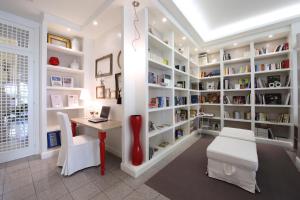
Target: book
[287, 99]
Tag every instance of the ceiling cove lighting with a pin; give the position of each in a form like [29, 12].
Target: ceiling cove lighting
[95, 23]
[194, 15]
[164, 20]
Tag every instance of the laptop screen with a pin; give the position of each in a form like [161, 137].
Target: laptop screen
[105, 112]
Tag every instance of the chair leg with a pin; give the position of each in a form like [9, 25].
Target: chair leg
[257, 188]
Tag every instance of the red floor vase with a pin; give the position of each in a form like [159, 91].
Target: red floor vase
[137, 153]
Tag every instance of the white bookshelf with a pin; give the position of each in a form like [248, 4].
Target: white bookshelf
[66, 56]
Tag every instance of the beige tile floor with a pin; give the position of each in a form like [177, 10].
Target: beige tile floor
[31, 179]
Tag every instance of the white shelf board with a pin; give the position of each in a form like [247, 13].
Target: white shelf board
[275, 142]
[237, 75]
[158, 65]
[273, 54]
[181, 123]
[273, 71]
[274, 123]
[209, 104]
[181, 89]
[237, 90]
[210, 65]
[64, 69]
[53, 128]
[274, 88]
[64, 88]
[180, 56]
[151, 85]
[64, 50]
[180, 73]
[209, 91]
[210, 77]
[237, 105]
[207, 117]
[194, 77]
[210, 132]
[194, 104]
[160, 109]
[237, 60]
[158, 42]
[159, 131]
[272, 106]
[193, 64]
[181, 106]
[237, 120]
[66, 108]
[197, 91]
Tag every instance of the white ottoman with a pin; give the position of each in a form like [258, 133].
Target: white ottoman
[237, 133]
[234, 161]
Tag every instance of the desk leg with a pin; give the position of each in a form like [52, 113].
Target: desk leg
[102, 136]
[73, 125]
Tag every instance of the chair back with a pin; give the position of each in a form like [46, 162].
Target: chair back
[66, 131]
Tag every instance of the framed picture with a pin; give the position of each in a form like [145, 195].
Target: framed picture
[107, 93]
[56, 81]
[56, 101]
[59, 40]
[118, 84]
[100, 92]
[104, 66]
[68, 81]
[73, 101]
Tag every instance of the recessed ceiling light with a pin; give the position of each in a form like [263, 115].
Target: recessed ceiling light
[270, 36]
[95, 23]
[68, 29]
[235, 44]
[184, 38]
[164, 20]
[195, 49]
[119, 35]
[208, 50]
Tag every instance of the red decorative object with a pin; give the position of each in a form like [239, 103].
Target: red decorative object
[54, 61]
[137, 153]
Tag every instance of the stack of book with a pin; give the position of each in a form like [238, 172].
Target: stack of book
[284, 64]
[180, 100]
[159, 102]
[163, 79]
[232, 70]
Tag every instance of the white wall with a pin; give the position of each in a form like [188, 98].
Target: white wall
[107, 43]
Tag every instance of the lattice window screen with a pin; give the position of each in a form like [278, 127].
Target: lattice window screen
[11, 35]
[13, 90]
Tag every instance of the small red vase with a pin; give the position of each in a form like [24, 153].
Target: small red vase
[137, 153]
[54, 61]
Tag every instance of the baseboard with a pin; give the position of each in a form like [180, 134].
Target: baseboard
[298, 163]
[113, 151]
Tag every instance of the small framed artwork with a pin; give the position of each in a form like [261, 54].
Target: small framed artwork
[104, 66]
[56, 101]
[56, 81]
[53, 139]
[59, 40]
[100, 92]
[68, 81]
[73, 101]
[118, 84]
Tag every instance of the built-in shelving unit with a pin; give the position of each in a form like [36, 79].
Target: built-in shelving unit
[196, 93]
[66, 57]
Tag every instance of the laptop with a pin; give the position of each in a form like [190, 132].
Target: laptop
[103, 115]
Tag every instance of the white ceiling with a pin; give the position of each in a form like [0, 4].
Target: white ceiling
[215, 19]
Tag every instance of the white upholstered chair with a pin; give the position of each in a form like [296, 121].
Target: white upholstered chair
[78, 152]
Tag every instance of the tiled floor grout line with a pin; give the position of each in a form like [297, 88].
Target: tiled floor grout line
[32, 180]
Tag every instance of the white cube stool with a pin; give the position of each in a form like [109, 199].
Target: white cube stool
[233, 161]
[238, 133]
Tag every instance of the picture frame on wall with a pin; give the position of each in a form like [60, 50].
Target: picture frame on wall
[100, 92]
[68, 81]
[104, 66]
[59, 40]
[56, 81]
